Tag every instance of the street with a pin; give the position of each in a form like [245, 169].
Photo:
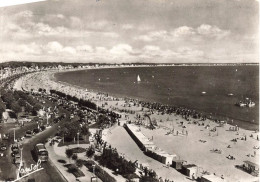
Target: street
[49, 173]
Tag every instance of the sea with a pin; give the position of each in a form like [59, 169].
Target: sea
[212, 90]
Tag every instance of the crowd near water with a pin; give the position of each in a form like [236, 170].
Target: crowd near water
[186, 90]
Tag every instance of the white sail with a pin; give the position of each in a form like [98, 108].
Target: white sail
[138, 78]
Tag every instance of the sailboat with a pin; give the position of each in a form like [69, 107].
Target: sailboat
[138, 79]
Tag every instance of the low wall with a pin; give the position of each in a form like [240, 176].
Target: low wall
[148, 147]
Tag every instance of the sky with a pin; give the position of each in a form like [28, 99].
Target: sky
[127, 31]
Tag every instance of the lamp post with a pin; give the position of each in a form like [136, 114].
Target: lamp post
[21, 162]
[94, 165]
[78, 138]
[14, 134]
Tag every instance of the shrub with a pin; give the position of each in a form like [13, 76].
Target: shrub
[79, 163]
[62, 161]
[78, 150]
[12, 115]
[90, 152]
[100, 173]
[74, 157]
[42, 127]
[148, 179]
[69, 153]
[111, 159]
[74, 170]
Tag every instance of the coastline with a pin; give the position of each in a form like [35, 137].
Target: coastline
[177, 144]
[249, 123]
[217, 116]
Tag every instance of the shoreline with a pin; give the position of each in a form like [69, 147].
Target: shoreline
[217, 116]
[245, 124]
[199, 152]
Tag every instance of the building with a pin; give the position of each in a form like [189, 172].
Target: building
[212, 178]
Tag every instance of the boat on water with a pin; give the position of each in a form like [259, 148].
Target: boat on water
[138, 79]
[203, 93]
[246, 103]
[230, 94]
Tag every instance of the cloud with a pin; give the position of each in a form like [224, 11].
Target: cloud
[203, 31]
[84, 48]
[211, 31]
[127, 26]
[183, 31]
[23, 14]
[55, 47]
[121, 49]
[152, 36]
[152, 51]
[25, 25]
[189, 52]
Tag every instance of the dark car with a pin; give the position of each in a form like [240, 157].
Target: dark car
[9, 179]
[29, 133]
[15, 148]
[36, 130]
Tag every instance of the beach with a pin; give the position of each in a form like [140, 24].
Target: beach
[194, 140]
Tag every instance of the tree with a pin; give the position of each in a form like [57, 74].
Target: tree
[79, 163]
[37, 107]
[69, 153]
[71, 130]
[28, 108]
[8, 97]
[74, 157]
[90, 152]
[22, 102]
[2, 108]
[85, 131]
[15, 107]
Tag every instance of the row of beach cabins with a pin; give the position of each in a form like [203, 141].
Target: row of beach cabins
[151, 150]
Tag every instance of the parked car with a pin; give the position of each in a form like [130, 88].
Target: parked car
[14, 147]
[17, 159]
[6, 136]
[29, 133]
[3, 146]
[36, 130]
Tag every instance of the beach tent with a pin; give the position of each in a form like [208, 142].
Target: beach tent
[251, 166]
[211, 178]
[191, 170]
[177, 164]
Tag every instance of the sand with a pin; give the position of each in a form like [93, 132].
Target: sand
[187, 147]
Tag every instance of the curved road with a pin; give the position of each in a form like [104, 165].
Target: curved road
[48, 174]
